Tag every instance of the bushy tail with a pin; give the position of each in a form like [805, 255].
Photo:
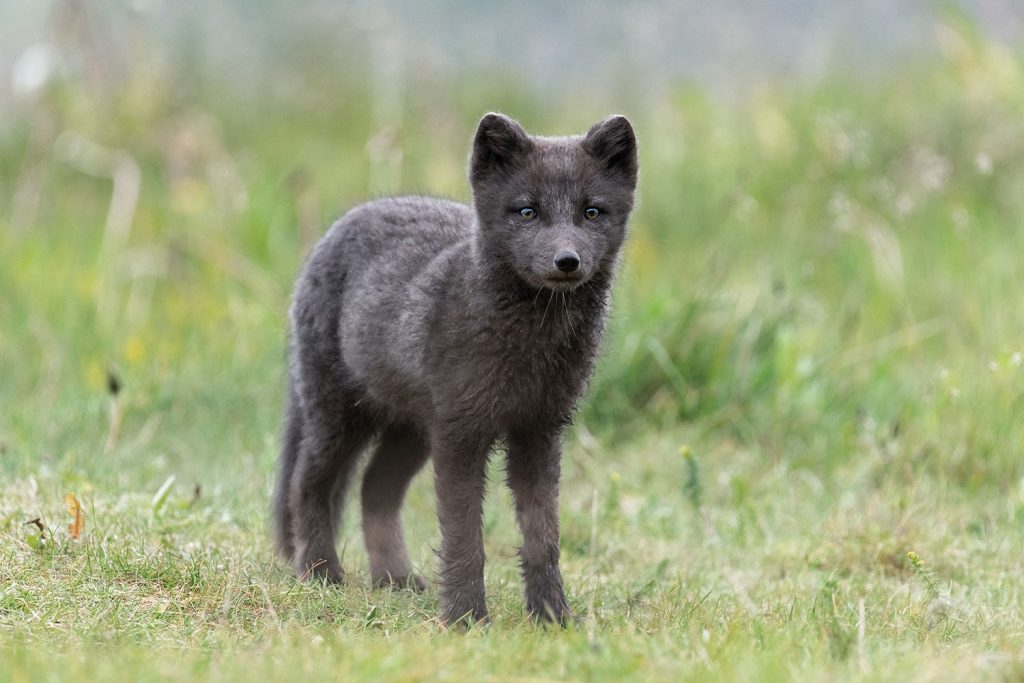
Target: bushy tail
[291, 438]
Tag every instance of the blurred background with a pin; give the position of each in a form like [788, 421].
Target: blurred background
[826, 254]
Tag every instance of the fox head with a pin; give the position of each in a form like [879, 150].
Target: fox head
[553, 210]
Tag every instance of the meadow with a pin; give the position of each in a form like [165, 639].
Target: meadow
[801, 457]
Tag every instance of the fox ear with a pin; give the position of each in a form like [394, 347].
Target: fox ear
[613, 142]
[498, 142]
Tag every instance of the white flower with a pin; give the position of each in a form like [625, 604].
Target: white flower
[983, 162]
[33, 69]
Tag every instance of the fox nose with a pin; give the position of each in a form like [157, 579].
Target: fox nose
[567, 261]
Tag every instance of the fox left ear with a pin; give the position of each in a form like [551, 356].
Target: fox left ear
[499, 141]
[613, 142]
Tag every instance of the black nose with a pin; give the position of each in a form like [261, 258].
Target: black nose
[567, 261]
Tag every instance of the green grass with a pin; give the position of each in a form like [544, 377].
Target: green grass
[813, 369]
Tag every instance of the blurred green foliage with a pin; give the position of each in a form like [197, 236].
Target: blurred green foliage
[803, 262]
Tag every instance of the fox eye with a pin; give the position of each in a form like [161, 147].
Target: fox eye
[528, 213]
[591, 213]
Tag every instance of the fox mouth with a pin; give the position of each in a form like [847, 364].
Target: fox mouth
[564, 282]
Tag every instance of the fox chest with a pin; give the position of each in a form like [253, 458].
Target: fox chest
[520, 379]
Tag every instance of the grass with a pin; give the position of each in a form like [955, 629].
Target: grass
[813, 370]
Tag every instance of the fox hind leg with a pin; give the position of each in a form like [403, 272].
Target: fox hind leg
[401, 453]
[331, 442]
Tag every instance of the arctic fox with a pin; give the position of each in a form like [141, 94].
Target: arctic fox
[438, 330]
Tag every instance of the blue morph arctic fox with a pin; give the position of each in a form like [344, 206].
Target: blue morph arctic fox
[435, 329]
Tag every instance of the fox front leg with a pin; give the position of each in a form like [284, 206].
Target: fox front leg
[460, 461]
[533, 469]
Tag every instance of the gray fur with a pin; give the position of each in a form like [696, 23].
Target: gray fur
[437, 328]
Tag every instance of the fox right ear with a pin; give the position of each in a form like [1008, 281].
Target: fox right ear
[498, 142]
[613, 142]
